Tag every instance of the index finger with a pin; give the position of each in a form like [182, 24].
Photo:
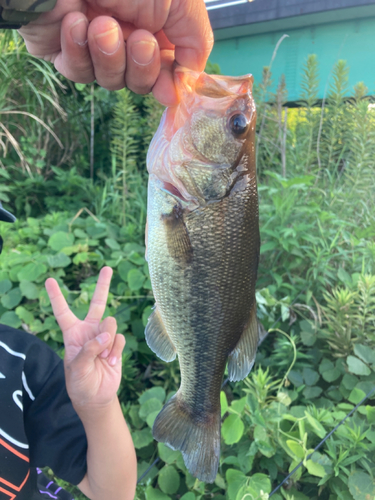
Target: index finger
[99, 299]
[64, 316]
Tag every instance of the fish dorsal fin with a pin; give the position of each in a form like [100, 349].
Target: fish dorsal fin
[242, 358]
[158, 339]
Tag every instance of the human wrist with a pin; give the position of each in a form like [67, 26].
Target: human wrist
[95, 411]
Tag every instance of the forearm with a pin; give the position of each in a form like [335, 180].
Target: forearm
[111, 460]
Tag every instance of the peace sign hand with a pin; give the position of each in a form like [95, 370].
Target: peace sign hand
[92, 348]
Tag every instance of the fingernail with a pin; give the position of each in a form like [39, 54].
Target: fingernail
[109, 41]
[105, 353]
[102, 338]
[143, 52]
[78, 32]
[112, 361]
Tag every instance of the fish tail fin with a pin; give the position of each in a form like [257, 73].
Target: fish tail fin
[198, 440]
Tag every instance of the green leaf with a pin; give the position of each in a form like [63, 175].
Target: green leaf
[308, 338]
[80, 234]
[260, 482]
[169, 479]
[361, 486]
[312, 392]
[356, 396]
[220, 482]
[295, 448]
[155, 392]
[311, 376]
[136, 259]
[296, 475]
[370, 413]
[12, 298]
[29, 290]
[223, 403]
[151, 418]
[134, 416]
[315, 469]
[146, 314]
[317, 427]
[357, 366]
[10, 318]
[349, 381]
[328, 370]
[365, 353]
[31, 272]
[123, 269]
[344, 276]
[238, 405]
[295, 377]
[60, 240]
[58, 260]
[154, 494]
[256, 485]
[25, 315]
[5, 286]
[235, 480]
[150, 406]
[113, 244]
[80, 258]
[142, 438]
[188, 496]
[167, 454]
[135, 279]
[232, 429]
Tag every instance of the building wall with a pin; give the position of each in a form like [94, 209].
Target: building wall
[353, 41]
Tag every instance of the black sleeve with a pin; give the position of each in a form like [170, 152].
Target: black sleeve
[15, 13]
[55, 433]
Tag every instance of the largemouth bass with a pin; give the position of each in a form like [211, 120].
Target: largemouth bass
[203, 252]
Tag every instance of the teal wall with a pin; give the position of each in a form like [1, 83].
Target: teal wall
[353, 41]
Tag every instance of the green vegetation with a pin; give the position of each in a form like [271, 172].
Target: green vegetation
[316, 288]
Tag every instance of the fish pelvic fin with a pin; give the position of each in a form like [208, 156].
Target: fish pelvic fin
[241, 359]
[158, 339]
[198, 439]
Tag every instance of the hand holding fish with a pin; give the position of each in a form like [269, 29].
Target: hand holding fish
[92, 348]
[85, 41]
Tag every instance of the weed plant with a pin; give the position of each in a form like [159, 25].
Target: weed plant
[316, 285]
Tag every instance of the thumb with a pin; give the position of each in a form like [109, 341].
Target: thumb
[93, 348]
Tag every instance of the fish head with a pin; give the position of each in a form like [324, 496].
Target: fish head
[221, 114]
[204, 144]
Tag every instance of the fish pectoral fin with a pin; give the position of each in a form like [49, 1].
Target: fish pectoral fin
[178, 239]
[242, 358]
[158, 339]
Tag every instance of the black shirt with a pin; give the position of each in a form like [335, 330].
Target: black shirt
[38, 424]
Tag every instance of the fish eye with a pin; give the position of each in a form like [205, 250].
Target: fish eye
[238, 124]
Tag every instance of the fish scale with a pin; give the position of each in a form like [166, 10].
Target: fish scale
[203, 255]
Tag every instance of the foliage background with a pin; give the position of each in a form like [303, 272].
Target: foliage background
[316, 288]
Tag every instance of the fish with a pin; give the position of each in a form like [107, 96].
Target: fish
[203, 251]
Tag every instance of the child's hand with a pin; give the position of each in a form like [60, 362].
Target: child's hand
[92, 348]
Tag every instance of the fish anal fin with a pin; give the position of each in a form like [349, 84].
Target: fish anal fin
[241, 359]
[158, 339]
[178, 239]
[198, 439]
